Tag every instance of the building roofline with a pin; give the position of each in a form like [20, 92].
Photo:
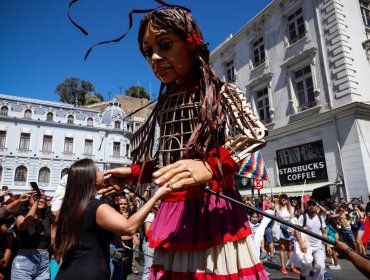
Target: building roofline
[44, 102]
[237, 34]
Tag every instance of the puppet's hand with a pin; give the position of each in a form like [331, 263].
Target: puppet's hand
[115, 180]
[183, 173]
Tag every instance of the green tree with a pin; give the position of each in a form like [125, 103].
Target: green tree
[78, 92]
[93, 98]
[137, 92]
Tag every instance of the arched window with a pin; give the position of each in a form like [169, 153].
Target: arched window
[90, 121]
[49, 117]
[28, 114]
[44, 175]
[20, 174]
[4, 111]
[70, 119]
[64, 172]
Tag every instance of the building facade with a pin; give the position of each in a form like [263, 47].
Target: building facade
[40, 139]
[305, 69]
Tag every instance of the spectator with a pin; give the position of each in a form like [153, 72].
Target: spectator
[332, 233]
[33, 226]
[122, 257]
[58, 196]
[13, 205]
[312, 221]
[284, 211]
[362, 264]
[85, 224]
[345, 226]
[356, 217]
[148, 252]
[6, 245]
[366, 232]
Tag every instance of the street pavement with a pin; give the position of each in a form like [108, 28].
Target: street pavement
[348, 271]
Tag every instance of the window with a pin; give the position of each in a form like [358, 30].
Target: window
[49, 117]
[90, 121]
[117, 124]
[24, 143]
[64, 172]
[230, 71]
[88, 147]
[116, 149]
[46, 143]
[28, 114]
[44, 175]
[68, 145]
[4, 111]
[20, 174]
[1, 173]
[296, 26]
[70, 119]
[263, 106]
[365, 12]
[258, 52]
[304, 88]
[2, 138]
[127, 150]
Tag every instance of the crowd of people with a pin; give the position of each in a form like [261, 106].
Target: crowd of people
[28, 246]
[338, 221]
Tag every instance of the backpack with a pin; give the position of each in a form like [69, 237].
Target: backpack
[305, 220]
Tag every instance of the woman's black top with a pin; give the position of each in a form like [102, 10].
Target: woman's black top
[36, 236]
[89, 259]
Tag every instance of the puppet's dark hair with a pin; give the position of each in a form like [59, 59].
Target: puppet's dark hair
[209, 131]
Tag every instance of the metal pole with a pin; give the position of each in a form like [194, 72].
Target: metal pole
[272, 217]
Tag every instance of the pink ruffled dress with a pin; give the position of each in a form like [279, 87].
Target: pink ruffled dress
[200, 236]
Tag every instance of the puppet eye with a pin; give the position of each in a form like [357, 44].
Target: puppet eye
[148, 52]
[165, 45]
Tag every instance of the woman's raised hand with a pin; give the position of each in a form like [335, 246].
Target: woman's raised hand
[183, 173]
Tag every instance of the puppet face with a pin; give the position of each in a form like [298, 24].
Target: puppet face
[168, 55]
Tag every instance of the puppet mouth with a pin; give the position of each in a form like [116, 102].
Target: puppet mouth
[161, 69]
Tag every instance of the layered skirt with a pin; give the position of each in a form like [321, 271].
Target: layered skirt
[205, 237]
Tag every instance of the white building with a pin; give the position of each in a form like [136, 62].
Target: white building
[304, 66]
[40, 139]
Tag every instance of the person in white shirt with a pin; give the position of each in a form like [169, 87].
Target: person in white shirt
[58, 196]
[311, 221]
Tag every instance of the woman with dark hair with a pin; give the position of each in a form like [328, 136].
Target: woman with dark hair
[206, 128]
[33, 225]
[85, 225]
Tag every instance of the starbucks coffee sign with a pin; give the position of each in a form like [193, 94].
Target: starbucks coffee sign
[301, 163]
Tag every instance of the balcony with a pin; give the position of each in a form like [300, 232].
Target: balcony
[24, 151]
[90, 156]
[306, 106]
[116, 158]
[68, 155]
[46, 153]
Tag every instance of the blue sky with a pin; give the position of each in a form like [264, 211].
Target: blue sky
[40, 48]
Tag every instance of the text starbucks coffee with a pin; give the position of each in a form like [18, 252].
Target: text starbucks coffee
[304, 171]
